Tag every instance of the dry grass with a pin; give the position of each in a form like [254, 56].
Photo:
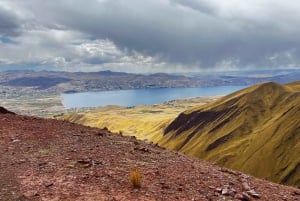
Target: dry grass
[243, 129]
[143, 122]
[135, 179]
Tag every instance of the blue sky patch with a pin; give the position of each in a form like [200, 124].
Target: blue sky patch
[7, 40]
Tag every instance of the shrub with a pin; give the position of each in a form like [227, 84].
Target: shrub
[135, 178]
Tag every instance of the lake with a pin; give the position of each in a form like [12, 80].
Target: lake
[141, 96]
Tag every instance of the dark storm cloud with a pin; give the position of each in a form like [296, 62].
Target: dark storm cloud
[202, 33]
[9, 23]
[154, 28]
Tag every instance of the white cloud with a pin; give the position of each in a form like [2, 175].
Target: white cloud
[150, 35]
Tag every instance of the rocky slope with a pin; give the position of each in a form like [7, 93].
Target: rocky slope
[255, 130]
[56, 160]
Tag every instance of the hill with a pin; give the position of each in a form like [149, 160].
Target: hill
[255, 130]
[145, 122]
[43, 159]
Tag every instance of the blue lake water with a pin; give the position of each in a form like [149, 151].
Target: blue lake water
[141, 96]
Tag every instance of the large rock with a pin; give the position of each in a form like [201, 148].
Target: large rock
[5, 111]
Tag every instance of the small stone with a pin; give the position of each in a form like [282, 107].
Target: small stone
[29, 194]
[85, 163]
[246, 197]
[48, 184]
[42, 164]
[297, 192]
[232, 193]
[219, 190]
[99, 133]
[253, 194]
[225, 191]
[246, 186]
[71, 166]
[239, 196]
[22, 161]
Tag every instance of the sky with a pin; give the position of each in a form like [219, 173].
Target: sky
[149, 35]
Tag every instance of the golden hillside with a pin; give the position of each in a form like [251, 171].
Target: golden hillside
[255, 130]
[143, 122]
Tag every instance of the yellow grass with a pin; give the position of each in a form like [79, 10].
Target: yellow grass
[135, 179]
[144, 122]
[256, 131]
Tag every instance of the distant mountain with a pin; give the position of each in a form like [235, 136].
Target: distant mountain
[38, 82]
[44, 82]
[255, 130]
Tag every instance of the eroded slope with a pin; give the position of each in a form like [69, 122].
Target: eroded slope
[255, 130]
[56, 160]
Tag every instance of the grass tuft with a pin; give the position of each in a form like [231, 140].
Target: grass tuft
[135, 178]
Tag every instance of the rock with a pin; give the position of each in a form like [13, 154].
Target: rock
[100, 133]
[21, 161]
[180, 189]
[239, 196]
[232, 193]
[246, 186]
[5, 111]
[85, 163]
[225, 191]
[246, 197]
[71, 165]
[142, 149]
[28, 194]
[48, 184]
[253, 194]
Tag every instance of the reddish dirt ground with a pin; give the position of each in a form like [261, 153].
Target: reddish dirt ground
[43, 159]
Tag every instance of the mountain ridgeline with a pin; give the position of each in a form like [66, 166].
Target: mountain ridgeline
[255, 130]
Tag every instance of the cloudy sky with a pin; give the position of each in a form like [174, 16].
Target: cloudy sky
[149, 35]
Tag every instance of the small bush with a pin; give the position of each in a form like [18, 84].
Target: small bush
[135, 178]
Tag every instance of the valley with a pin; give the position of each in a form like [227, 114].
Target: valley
[237, 131]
